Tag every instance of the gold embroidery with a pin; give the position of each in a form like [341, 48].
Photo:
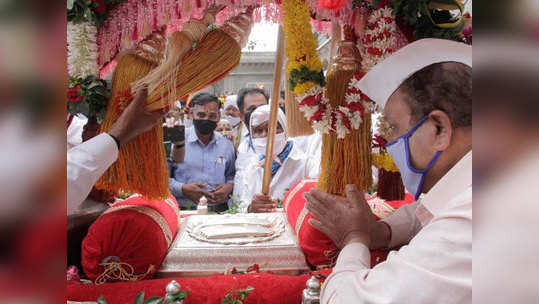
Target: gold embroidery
[156, 216]
[301, 218]
[294, 191]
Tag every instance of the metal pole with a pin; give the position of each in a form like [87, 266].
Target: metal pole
[279, 58]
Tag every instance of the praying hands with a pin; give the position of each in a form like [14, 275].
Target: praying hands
[346, 219]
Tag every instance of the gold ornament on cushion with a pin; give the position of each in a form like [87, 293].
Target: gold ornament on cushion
[141, 166]
[198, 68]
[346, 160]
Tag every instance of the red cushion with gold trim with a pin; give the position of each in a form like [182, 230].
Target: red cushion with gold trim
[130, 240]
[317, 247]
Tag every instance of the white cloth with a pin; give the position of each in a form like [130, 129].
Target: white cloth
[262, 114]
[311, 145]
[85, 165]
[231, 100]
[386, 77]
[295, 167]
[436, 265]
[74, 131]
[244, 156]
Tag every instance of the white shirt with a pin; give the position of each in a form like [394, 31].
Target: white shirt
[435, 266]
[85, 165]
[244, 156]
[74, 131]
[295, 167]
[311, 145]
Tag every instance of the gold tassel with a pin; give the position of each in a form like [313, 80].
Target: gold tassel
[348, 160]
[296, 123]
[141, 166]
[215, 55]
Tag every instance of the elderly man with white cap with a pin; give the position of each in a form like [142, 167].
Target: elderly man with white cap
[289, 165]
[425, 89]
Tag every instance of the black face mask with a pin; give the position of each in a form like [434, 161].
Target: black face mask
[204, 126]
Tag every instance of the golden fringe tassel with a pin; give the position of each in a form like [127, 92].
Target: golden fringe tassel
[141, 166]
[216, 54]
[115, 271]
[296, 123]
[348, 160]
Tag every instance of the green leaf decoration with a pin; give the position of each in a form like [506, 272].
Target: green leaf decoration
[140, 298]
[70, 4]
[154, 300]
[101, 300]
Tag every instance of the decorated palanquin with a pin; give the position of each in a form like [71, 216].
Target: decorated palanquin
[204, 39]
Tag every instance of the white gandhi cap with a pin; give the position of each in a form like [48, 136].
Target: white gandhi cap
[386, 77]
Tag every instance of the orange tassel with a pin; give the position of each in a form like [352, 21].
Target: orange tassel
[141, 166]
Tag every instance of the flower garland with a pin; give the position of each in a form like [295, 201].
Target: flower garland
[341, 120]
[304, 65]
[379, 38]
[82, 49]
[382, 160]
[88, 96]
[306, 79]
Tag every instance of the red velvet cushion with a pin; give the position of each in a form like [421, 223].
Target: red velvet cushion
[317, 247]
[136, 232]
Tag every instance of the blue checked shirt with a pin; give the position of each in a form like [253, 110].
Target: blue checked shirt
[212, 165]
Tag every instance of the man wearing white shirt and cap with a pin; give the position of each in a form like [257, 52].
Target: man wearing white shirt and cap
[425, 89]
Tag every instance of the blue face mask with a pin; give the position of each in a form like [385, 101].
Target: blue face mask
[399, 150]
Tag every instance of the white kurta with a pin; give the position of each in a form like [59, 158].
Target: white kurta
[295, 167]
[85, 165]
[435, 266]
[311, 145]
[74, 131]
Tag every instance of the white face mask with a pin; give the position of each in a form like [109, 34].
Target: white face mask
[233, 120]
[278, 144]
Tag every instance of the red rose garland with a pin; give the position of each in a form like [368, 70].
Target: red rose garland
[341, 120]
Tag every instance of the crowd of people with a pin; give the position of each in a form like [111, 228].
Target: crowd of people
[221, 154]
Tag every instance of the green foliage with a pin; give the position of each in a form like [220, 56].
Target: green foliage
[189, 205]
[86, 11]
[236, 296]
[234, 207]
[415, 14]
[95, 96]
[303, 75]
[139, 299]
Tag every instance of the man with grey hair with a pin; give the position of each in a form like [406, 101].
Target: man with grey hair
[426, 92]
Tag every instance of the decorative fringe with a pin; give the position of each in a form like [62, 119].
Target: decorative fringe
[118, 271]
[131, 21]
[212, 59]
[179, 43]
[348, 160]
[141, 166]
[296, 123]
[390, 187]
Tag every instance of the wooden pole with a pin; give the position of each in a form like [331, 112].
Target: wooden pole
[278, 71]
